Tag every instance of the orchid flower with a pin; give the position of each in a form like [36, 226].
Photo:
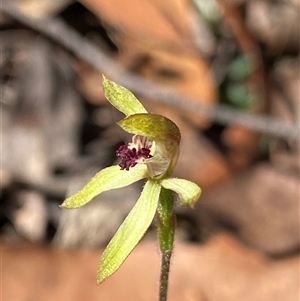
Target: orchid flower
[152, 155]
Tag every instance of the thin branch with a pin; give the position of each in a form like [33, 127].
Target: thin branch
[61, 33]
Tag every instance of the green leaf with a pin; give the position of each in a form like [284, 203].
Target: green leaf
[107, 179]
[121, 98]
[240, 68]
[187, 191]
[130, 232]
[154, 126]
[240, 95]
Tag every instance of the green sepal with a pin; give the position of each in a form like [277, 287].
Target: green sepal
[130, 232]
[154, 126]
[121, 98]
[187, 191]
[107, 179]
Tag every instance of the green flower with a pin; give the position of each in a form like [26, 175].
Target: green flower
[152, 154]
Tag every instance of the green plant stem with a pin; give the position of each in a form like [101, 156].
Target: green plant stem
[166, 221]
[164, 275]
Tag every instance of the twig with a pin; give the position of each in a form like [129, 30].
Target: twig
[82, 48]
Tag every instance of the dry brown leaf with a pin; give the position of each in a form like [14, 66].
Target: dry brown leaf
[221, 270]
[154, 41]
[142, 19]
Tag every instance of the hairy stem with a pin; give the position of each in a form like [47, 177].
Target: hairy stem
[164, 275]
[166, 221]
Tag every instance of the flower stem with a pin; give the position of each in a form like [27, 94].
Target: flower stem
[166, 222]
[164, 275]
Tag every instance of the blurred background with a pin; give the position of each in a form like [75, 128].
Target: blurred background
[226, 71]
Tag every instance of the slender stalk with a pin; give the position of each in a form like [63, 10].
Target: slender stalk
[164, 275]
[166, 221]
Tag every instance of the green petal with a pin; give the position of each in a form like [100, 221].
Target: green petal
[130, 232]
[121, 98]
[154, 126]
[109, 178]
[187, 191]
